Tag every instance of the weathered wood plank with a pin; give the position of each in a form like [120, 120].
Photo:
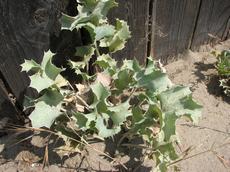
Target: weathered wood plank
[24, 33]
[213, 22]
[136, 13]
[173, 25]
[7, 109]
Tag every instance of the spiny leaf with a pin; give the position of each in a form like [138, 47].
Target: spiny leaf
[67, 22]
[50, 69]
[117, 42]
[137, 114]
[103, 130]
[108, 64]
[100, 92]
[131, 65]
[120, 113]
[169, 126]
[146, 118]
[84, 75]
[96, 10]
[178, 100]
[123, 79]
[44, 115]
[156, 81]
[30, 65]
[171, 97]
[150, 66]
[83, 51]
[40, 82]
[81, 120]
[168, 151]
[104, 31]
[89, 11]
[51, 97]
[165, 154]
[47, 75]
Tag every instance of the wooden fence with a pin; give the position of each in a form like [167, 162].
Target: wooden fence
[161, 28]
[164, 28]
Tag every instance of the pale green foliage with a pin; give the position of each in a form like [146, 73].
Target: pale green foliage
[92, 17]
[44, 115]
[223, 67]
[139, 100]
[46, 79]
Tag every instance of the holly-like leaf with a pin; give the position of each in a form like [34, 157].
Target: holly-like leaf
[169, 126]
[84, 75]
[165, 154]
[40, 82]
[46, 74]
[123, 79]
[131, 65]
[143, 120]
[100, 92]
[51, 97]
[178, 100]
[84, 51]
[81, 120]
[89, 11]
[117, 42]
[67, 22]
[104, 31]
[30, 65]
[108, 64]
[138, 115]
[120, 112]
[50, 69]
[44, 115]
[103, 130]
[155, 81]
[94, 10]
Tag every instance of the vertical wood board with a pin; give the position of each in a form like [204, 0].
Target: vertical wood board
[7, 109]
[136, 13]
[213, 22]
[173, 24]
[24, 33]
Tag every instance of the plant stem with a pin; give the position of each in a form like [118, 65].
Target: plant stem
[97, 50]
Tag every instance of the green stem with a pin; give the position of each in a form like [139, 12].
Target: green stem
[97, 50]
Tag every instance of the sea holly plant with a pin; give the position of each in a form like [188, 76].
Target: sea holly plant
[223, 68]
[131, 100]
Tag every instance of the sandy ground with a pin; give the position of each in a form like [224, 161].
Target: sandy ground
[207, 144]
[213, 130]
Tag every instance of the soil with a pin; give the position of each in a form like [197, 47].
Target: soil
[206, 146]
